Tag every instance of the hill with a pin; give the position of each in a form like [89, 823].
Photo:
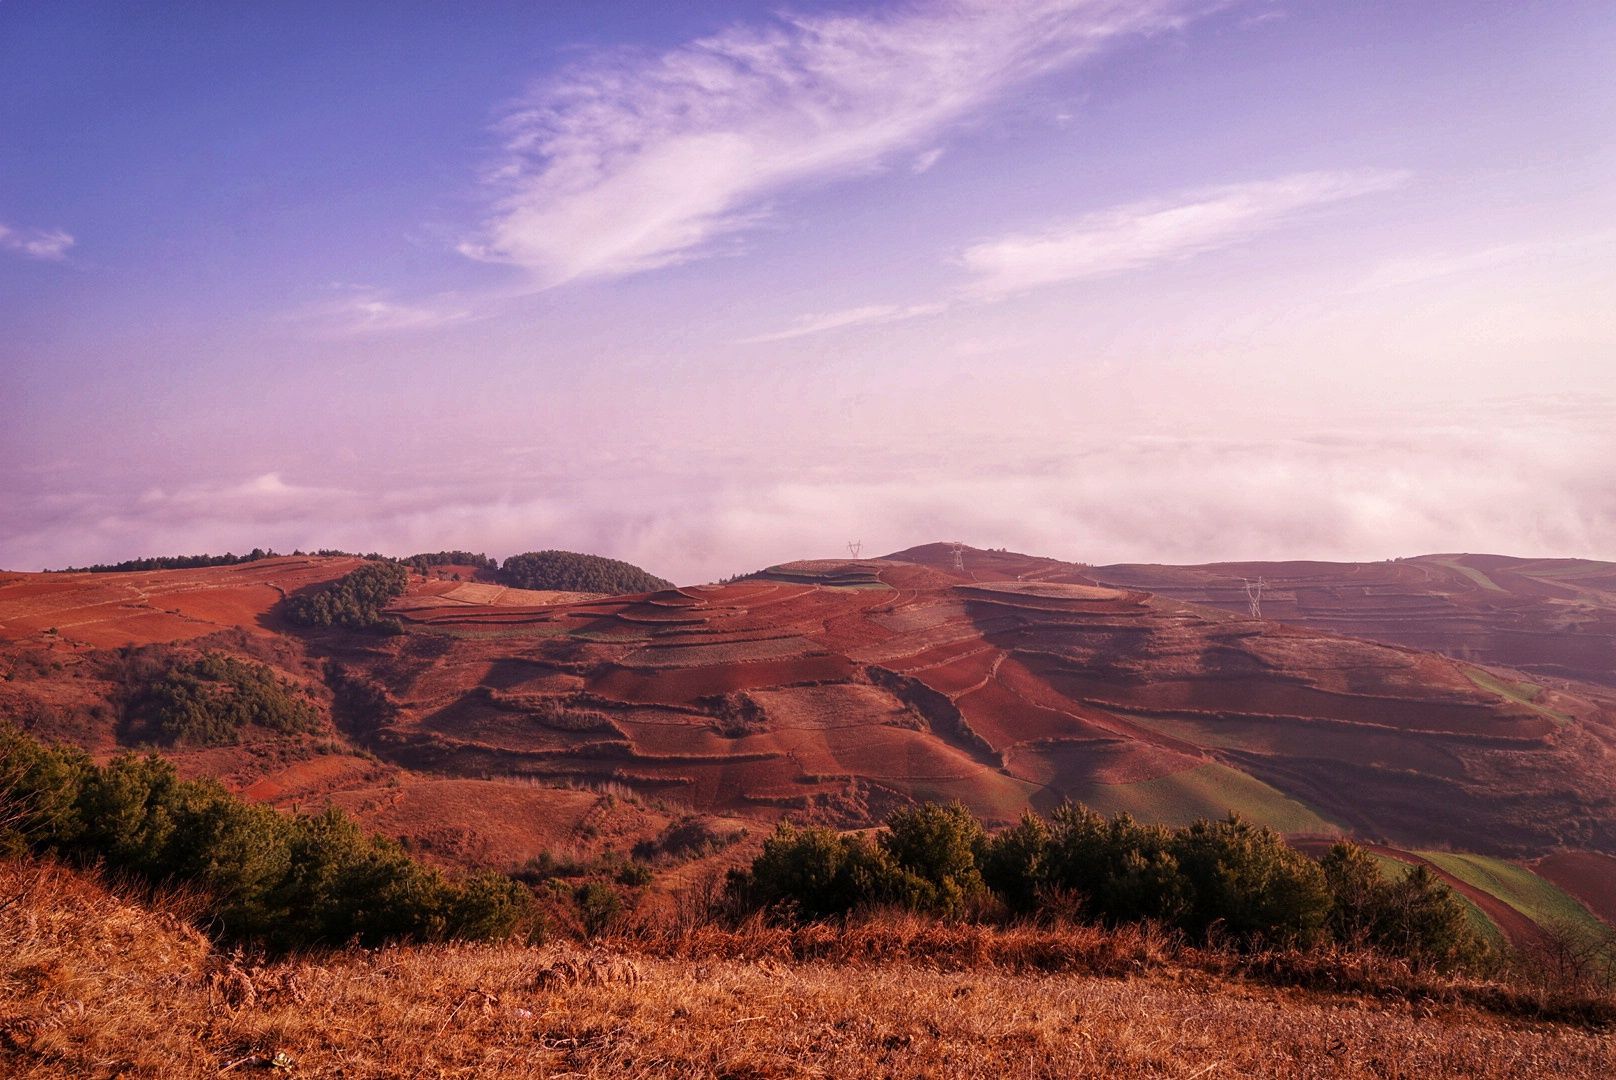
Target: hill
[1552, 618]
[503, 723]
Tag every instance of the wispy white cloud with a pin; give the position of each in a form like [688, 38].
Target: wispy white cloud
[1118, 240]
[925, 161]
[363, 310]
[632, 161]
[1138, 235]
[868, 315]
[35, 243]
[1433, 266]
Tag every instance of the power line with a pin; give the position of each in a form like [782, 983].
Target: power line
[854, 547]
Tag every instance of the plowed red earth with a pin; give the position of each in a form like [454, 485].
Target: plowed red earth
[110, 610]
[1586, 875]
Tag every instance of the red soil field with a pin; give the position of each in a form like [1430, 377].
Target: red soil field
[1586, 875]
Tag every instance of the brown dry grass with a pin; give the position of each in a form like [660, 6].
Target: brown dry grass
[95, 985]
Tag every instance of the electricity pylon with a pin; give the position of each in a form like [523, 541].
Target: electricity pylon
[1254, 596]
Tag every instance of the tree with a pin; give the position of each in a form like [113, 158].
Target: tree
[938, 846]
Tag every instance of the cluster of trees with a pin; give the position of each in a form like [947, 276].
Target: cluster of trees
[423, 562]
[355, 600]
[210, 701]
[171, 562]
[1227, 879]
[279, 880]
[570, 571]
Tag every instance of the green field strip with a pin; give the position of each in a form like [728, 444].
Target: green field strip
[1537, 898]
[1206, 791]
[1472, 573]
[1522, 693]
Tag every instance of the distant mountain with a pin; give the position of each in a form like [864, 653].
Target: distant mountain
[1553, 618]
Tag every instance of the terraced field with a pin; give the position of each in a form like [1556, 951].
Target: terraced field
[838, 688]
[1554, 618]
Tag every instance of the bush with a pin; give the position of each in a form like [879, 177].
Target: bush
[1415, 915]
[1117, 869]
[1229, 879]
[937, 846]
[598, 907]
[1244, 879]
[280, 880]
[816, 872]
[356, 600]
[570, 571]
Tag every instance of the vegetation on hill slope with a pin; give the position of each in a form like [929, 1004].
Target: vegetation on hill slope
[426, 560]
[212, 700]
[1226, 879]
[286, 881]
[171, 562]
[355, 600]
[570, 571]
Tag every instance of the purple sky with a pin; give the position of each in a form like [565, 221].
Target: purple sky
[707, 287]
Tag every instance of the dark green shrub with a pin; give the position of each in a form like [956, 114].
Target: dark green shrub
[598, 907]
[1115, 868]
[1015, 863]
[817, 873]
[938, 847]
[1413, 915]
[284, 881]
[1244, 879]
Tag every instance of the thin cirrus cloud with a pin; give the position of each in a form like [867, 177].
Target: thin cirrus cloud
[1120, 240]
[1139, 235]
[49, 244]
[631, 161]
[867, 315]
[363, 311]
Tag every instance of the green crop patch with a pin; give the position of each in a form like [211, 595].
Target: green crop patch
[1206, 791]
[1539, 900]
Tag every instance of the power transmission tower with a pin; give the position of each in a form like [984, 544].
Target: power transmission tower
[959, 555]
[854, 547]
[1254, 596]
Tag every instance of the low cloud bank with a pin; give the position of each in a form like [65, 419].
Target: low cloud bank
[1515, 478]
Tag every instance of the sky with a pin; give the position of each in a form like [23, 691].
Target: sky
[710, 287]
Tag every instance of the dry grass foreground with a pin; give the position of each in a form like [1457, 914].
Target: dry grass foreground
[95, 985]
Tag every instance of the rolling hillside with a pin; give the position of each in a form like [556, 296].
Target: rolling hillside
[1552, 618]
[836, 690]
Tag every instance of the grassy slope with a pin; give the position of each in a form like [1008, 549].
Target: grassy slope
[1523, 693]
[1541, 901]
[91, 985]
[1209, 791]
